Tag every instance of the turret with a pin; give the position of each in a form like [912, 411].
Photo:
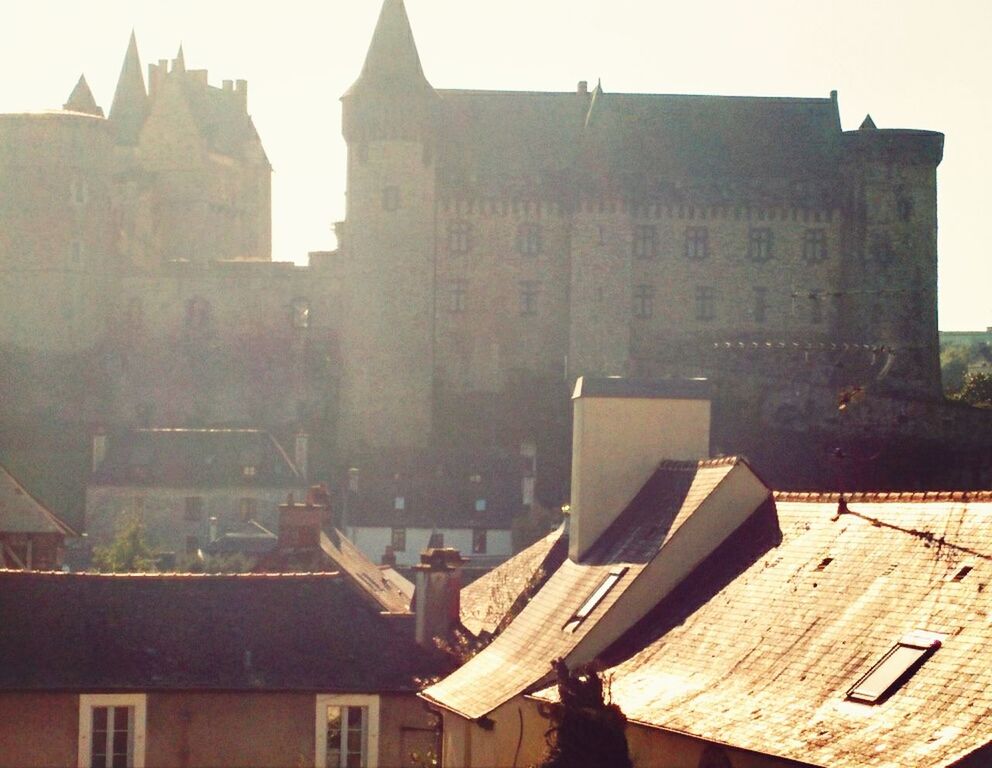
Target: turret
[81, 99]
[890, 273]
[130, 106]
[387, 336]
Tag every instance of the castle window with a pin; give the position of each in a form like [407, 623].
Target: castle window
[479, 541]
[815, 246]
[79, 192]
[529, 290]
[643, 301]
[76, 253]
[815, 309]
[904, 208]
[194, 509]
[529, 239]
[197, 313]
[759, 244]
[696, 243]
[390, 198]
[881, 249]
[705, 303]
[645, 241]
[399, 503]
[760, 304]
[456, 295]
[301, 313]
[458, 236]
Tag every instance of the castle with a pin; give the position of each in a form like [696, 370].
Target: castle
[496, 246]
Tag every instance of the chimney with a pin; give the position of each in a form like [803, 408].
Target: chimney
[389, 556]
[436, 595]
[583, 89]
[300, 524]
[241, 88]
[99, 448]
[301, 453]
[621, 430]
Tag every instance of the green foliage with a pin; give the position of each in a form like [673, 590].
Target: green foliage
[977, 389]
[953, 367]
[586, 730]
[129, 552]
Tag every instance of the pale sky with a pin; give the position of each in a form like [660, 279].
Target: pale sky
[911, 64]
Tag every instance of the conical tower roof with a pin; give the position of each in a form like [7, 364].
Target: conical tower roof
[81, 99]
[179, 63]
[392, 61]
[130, 105]
[868, 124]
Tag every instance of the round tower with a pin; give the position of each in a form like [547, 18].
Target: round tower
[890, 275]
[388, 245]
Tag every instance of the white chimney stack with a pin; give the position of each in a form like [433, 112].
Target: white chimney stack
[99, 449]
[622, 429]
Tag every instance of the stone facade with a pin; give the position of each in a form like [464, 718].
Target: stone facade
[496, 246]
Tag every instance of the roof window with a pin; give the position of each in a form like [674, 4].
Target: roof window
[895, 667]
[594, 599]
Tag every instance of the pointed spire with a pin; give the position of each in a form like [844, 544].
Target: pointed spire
[392, 59]
[179, 63]
[130, 106]
[868, 124]
[81, 99]
[595, 103]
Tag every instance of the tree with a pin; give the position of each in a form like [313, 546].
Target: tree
[585, 730]
[128, 552]
[977, 389]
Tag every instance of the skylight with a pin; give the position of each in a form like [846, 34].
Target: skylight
[895, 667]
[594, 599]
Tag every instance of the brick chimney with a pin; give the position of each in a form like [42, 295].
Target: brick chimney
[300, 524]
[622, 429]
[437, 587]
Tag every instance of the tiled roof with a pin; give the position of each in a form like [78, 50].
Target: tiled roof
[760, 646]
[196, 458]
[489, 601]
[309, 632]
[520, 657]
[20, 512]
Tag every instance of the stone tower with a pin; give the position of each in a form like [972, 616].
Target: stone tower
[389, 245]
[890, 278]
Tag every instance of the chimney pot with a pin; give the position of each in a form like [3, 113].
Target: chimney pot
[436, 597]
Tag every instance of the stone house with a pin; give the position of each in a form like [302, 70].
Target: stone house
[176, 670]
[739, 627]
[32, 537]
[189, 485]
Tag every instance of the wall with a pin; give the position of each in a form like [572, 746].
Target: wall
[374, 540]
[240, 730]
[163, 511]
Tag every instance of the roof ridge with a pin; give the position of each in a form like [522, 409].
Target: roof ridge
[862, 497]
[172, 576]
[692, 464]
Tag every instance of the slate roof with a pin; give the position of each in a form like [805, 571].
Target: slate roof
[222, 119]
[617, 142]
[519, 658]
[437, 491]
[489, 602]
[20, 512]
[186, 458]
[759, 647]
[79, 632]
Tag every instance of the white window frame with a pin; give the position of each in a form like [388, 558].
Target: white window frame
[88, 701]
[325, 700]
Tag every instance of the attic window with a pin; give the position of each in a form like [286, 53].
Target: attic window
[824, 563]
[248, 470]
[594, 599]
[895, 667]
[964, 571]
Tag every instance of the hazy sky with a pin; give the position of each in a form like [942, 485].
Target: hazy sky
[911, 64]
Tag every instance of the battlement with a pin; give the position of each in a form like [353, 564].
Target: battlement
[236, 90]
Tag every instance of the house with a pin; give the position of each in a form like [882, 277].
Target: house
[739, 626]
[32, 537]
[181, 482]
